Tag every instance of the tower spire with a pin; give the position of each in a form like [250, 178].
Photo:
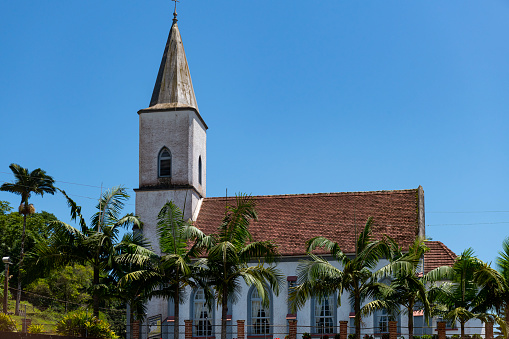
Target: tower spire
[173, 88]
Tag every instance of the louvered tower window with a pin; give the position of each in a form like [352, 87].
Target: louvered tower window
[164, 163]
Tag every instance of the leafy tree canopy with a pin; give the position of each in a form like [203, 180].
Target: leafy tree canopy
[11, 228]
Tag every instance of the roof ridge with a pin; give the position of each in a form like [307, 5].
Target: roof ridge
[303, 195]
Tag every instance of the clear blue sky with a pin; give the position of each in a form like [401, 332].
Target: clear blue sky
[299, 96]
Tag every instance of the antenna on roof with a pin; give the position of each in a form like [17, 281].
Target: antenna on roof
[226, 203]
[355, 224]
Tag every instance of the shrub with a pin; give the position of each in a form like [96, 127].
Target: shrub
[368, 336]
[81, 323]
[385, 336]
[352, 336]
[325, 336]
[36, 329]
[455, 336]
[6, 324]
[476, 336]
[306, 335]
[337, 336]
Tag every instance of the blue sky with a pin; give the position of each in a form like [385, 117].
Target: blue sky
[299, 97]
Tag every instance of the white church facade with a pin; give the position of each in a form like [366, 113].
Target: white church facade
[173, 167]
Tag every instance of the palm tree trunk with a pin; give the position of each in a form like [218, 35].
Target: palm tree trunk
[224, 313]
[462, 329]
[95, 304]
[506, 313]
[357, 309]
[22, 254]
[176, 309]
[410, 320]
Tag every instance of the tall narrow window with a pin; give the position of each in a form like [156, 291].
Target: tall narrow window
[324, 312]
[202, 317]
[164, 163]
[260, 315]
[199, 169]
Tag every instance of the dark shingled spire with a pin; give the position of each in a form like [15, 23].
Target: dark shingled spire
[173, 88]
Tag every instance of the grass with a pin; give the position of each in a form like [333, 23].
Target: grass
[47, 318]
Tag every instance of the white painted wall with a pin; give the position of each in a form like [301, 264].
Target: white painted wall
[239, 310]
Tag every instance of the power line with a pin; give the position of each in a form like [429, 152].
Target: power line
[68, 182]
[468, 212]
[74, 195]
[477, 223]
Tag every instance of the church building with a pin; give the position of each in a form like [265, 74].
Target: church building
[173, 167]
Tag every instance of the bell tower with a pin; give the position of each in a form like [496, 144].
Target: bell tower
[172, 145]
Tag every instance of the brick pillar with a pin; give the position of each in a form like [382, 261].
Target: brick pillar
[393, 329]
[441, 329]
[343, 329]
[188, 329]
[292, 331]
[240, 329]
[488, 330]
[135, 329]
[26, 324]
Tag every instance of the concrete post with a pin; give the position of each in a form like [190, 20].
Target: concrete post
[240, 329]
[188, 329]
[292, 331]
[343, 329]
[393, 329]
[441, 329]
[488, 330]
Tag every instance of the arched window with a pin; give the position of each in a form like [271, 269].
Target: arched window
[199, 170]
[324, 314]
[202, 315]
[260, 317]
[164, 163]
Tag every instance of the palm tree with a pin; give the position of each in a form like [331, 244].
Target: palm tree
[134, 256]
[468, 294]
[320, 278]
[229, 254]
[407, 287]
[26, 183]
[97, 245]
[167, 276]
[503, 267]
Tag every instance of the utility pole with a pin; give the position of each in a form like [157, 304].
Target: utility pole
[7, 262]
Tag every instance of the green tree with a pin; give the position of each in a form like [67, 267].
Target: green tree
[27, 183]
[37, 229]
[408, 286]
[471, 283]
[502, 298]
[170, 273]
[69, 284]
[229, 254]
[98, 246]
[320, 278]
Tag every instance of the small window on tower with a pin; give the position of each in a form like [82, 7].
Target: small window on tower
[199, 170]
[165, 163]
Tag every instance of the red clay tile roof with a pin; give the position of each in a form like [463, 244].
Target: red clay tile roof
[438, 255]
[290, 220]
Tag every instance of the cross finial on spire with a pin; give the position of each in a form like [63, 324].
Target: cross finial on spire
[175, 11]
